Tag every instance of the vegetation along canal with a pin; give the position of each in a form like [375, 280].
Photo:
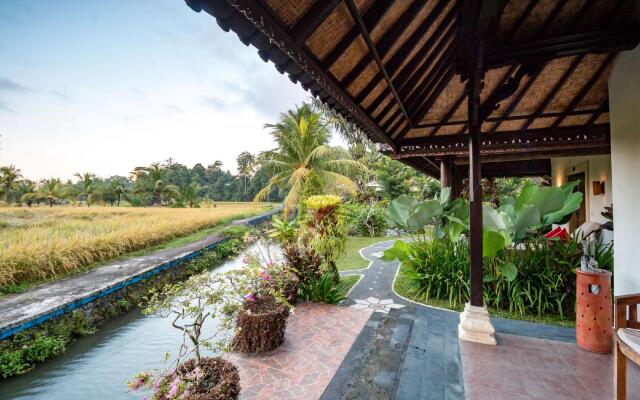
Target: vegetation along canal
[98, 366]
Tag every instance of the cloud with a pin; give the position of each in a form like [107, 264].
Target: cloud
[7, 85]
[172, 108]
[6, 107]
[216, 102]
[133, 117]
[60, 94]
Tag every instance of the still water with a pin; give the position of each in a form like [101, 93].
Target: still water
[97, 367]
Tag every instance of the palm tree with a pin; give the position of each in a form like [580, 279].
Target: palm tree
[190, 194]
[246, 166]
[50, 189]
[86, 183]
[9, 177]
[304, 163]
[152, 179]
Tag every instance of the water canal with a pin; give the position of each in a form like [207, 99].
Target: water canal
[98, 366]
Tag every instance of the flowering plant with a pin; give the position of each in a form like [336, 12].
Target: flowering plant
[189, 304]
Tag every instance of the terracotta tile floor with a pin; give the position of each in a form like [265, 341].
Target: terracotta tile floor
[317, 339]
[526, 368]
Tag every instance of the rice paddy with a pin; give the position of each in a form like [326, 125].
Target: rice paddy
[43, 243]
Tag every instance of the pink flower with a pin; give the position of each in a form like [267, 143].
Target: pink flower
[265, 276]
[250, 297]
[245, 260]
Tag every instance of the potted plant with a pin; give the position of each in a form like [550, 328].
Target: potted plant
[258, 298]
[189, 375]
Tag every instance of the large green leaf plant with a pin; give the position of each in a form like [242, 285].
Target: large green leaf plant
[504, 227]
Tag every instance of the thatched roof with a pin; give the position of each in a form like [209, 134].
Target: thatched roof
[397, 68]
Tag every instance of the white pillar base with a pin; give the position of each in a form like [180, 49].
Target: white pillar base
[475, 325]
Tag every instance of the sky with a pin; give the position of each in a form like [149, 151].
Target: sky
[105, 86]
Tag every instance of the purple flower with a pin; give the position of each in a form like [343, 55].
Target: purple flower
[250, 297]
[245, 260]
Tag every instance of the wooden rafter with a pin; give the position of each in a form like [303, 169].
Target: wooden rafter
[312, 19]
[512, 106]
[562, 139]
[584, 90]
[353, 10]
[605, 40]
[553, 92]
[439, 69]
[563, 114]
[407, 47]
[371, 20]
[434, 91]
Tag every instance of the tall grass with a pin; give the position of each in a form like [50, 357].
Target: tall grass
[43, 243]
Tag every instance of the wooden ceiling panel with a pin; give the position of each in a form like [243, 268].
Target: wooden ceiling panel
[411, 28]
[364, 78]
[352, 56]
[389, 18]
[290, 11]
[330, 31]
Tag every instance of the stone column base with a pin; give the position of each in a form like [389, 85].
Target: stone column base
[475, 325]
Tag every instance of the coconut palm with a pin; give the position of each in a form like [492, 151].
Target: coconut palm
[9, 177]
[87, 185]
[51, 189]
[190, 194]
[153, 180]
[304, 163]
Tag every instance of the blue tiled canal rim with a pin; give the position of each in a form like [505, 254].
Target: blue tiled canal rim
[29, 309]
[411, 352]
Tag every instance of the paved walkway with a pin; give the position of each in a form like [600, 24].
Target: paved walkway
[317, 339]
[28, 309]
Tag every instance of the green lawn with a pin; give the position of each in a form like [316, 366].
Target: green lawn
[408, 288]
[346, 283]
[351, 258]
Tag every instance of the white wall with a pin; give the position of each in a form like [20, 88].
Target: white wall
[624, 103]
[596, 168]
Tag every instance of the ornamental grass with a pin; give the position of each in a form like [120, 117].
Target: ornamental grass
[44, 243]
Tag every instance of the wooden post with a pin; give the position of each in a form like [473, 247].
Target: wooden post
[446, 172]
[475, 189]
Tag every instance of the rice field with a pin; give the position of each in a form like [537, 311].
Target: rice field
[43, 243]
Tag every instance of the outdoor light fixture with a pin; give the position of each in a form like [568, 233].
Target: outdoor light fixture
[598, 187]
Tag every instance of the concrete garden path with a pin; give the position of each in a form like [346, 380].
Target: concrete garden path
[25, 310]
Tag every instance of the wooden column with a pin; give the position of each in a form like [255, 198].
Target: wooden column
[446, 172]
[475, 189]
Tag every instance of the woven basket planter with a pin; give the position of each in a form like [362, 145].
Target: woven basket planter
[261, 327]
[221, 380]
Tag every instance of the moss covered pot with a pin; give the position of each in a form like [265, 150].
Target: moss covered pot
[220, 379]
[261, 326]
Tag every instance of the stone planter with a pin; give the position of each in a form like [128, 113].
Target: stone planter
[261, 326]
[220, 381]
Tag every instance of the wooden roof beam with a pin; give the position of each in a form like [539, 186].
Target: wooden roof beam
[424, 88]
[553, 92]
[416, 68]
[371, 20]
[353, 10]
[563, 114]
[595, 138]
[312, 20]
[585, 89]
[607, 40]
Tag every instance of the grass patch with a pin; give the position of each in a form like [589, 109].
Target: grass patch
[408, 288]
[346, 283]
[38, 245]
[351, 258]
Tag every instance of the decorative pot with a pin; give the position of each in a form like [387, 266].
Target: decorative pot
[220, 379]
[261, 326]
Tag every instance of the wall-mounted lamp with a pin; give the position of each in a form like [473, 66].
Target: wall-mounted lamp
[598, 188]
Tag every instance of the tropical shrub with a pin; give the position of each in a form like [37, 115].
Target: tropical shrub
[524, 273]
[323, 289]
[366, 219]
